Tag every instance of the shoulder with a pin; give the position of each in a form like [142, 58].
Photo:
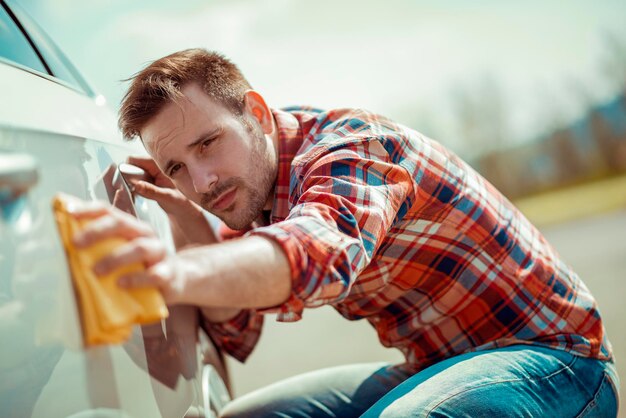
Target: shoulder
[317, 121]
[339, 128]
[343, 126]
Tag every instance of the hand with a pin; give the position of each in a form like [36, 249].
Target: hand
[150, 167]
[142, 246]
[160, 189]
[189, 226]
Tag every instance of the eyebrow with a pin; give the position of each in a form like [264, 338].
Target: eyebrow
[214, 132]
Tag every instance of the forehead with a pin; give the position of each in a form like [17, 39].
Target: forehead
[183, 120]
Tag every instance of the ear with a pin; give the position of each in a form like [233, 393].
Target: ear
[255, 105]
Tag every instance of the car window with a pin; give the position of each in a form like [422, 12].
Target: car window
[14, 46]
[59, 65]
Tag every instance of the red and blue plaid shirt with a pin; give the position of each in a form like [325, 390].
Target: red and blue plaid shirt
[387, 225]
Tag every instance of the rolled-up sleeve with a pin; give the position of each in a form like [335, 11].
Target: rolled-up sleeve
[239, 335]
[344, 203]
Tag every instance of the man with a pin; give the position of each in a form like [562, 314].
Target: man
[348, 208]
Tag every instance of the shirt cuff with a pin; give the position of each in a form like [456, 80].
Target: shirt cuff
[291, 310]
[237, 336]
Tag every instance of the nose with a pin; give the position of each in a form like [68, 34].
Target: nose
[203, 178]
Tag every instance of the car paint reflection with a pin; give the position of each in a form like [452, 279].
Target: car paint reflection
[169, 347]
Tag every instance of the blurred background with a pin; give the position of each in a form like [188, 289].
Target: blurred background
[532, 94]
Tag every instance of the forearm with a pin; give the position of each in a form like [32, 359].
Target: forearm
[199, 232]
[191, 227]
[251, 272]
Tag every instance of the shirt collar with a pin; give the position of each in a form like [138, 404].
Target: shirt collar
[290, 139]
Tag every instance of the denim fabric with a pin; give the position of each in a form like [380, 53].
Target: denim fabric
[516, 381]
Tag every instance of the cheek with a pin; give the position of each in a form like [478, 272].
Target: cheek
[186, 188]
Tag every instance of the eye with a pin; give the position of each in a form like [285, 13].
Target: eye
[174, 169]
[206, 143]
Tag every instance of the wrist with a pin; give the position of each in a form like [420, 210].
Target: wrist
[175, 287]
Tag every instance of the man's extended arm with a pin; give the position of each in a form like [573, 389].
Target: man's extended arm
[251, 272]
[188, 223]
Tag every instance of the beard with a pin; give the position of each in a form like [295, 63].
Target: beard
[254, 192]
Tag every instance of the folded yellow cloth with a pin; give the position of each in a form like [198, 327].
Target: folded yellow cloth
[107, 311]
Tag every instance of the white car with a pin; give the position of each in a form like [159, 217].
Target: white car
[56, 135]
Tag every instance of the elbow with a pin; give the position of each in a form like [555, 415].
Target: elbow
[283, 283]
[280, 284]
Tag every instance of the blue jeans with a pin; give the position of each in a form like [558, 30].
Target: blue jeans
[516, 381]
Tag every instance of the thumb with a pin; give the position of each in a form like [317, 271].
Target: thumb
[163, 196]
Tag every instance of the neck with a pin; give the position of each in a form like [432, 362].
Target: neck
[269, 203]
[274, 136]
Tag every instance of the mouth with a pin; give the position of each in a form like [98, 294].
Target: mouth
[224, 200]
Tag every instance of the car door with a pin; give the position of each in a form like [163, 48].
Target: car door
[57, 136]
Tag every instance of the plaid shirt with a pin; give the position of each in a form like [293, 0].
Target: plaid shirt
[385, 224]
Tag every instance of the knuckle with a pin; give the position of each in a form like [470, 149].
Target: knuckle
[103, 266]
[140, 280]
[148, 231]
[153, 278]
[135, 280]
[142, 247]
[154, 250]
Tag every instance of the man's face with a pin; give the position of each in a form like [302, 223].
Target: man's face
[215, 159]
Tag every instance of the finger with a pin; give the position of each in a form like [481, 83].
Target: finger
[139, 159]
[146, 163]
[158, 275]
[87, 209]
[142, 250]
[117, 224]
[171, 200]
[138, 279]
[153, 192]
[164, 275]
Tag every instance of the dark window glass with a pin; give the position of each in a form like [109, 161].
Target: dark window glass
[59, 65]
[14, 46]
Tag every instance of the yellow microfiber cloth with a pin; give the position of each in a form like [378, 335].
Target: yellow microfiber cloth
[107, 311]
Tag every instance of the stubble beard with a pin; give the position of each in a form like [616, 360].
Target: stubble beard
[261, 178]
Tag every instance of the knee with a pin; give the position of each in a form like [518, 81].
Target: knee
[234, 409]
[253, 407]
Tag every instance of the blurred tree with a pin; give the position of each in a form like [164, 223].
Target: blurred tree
[569, 161]
[613, 62]
[606, 141]
[613, 66]
[481, 114]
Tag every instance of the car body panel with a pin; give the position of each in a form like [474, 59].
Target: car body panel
[44, 369]
[35, 102]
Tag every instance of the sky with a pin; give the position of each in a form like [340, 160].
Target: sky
[523, 67]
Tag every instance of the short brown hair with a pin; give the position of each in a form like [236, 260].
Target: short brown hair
[162, 81]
